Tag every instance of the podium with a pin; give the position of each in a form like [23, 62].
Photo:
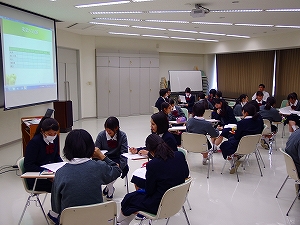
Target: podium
[28, 128]
[63, 113]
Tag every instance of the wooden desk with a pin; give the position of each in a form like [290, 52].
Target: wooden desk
[177, 128]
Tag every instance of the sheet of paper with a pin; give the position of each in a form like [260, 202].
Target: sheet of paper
[54, 166]
[285, 110]
[133, 156]
[230, 126]
[140, 172]
[182, 98]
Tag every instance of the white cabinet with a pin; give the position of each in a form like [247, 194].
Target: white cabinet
[127, 84]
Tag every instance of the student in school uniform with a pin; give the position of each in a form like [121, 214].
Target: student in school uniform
[293, 120]
[251, 124]
[166, 108]
[197, 124]
[223, 112]
[115, 142]
[211, 96]
[202, 98]
[261, 88]
[176, 111]
[166, 169]
[162, 98]
[79, 181]
[239, 104]
[42, 149]
[190, 100]
[259, 98]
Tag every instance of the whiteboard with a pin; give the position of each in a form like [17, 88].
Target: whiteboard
[179, 80]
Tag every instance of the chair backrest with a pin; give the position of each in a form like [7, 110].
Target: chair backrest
[155, 109]
[290, 165]
[248, 144]
[186, 113]
[207, 114]
[173, 200]
[267, 127]
[20, 164]
[101, 213]
[283, 103]
[182, 150]
[194, 142]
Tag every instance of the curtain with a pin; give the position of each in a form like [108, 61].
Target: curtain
[241, 73]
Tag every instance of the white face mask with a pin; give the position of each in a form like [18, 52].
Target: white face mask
[50, 138]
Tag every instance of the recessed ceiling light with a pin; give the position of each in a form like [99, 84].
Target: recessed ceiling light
[166, 21]
[184, 31]
[149, 28]
[200, 39]
[183, 38]
[118, 19]
[171, 11]
[110, 24]
[124, 34]
[101, 4]
[155, 36]
[212, 33]
[142, 0]
[239, 36]
[253, 25]
[120, 12]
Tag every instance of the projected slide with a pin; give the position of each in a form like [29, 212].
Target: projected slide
[29, 65]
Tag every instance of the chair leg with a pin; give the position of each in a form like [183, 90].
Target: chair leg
[126, 183]
[26, 205]
[260, 157]
[142, 220]
[38, 199]
[234, 164]
[224, 166]
[44, 198]
[167, 220]
[187, 200]
[186, 217]
[258, 163]
[292, 204]
[287, 177]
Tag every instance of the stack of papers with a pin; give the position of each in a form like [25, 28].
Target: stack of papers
[134, 156]
[53, 166]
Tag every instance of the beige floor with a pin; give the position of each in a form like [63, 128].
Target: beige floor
[219, 200]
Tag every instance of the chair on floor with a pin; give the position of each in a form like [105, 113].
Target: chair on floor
[155, 109]
[247, 146]
[102, 213]
[33, 195]
[207, 114]
[269, 134]
[292, 174]
[186, 113]
[171, 203]
[282, 105]
[197, 143]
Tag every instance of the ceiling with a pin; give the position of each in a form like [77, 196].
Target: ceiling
[78, 20]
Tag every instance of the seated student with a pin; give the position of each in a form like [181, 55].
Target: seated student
[259, 98]
[219, 94]
[166, 108]
[176, 111]
[240, 102]
[293, 120]
[190, 100]
[261, 88]
[115, 142]
[293, 149]
[161, 99]
[211, 97]
[166, 169]
[168, 97]
[207, 104]
[270, 113]
[42, 149]
[251, 124]
[199, 125]
[223, 113]
[79, 182]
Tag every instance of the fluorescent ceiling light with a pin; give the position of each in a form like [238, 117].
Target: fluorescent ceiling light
[282, 10]
[212, 23]
[287, 26]
[110, 24]
[199, 39]
[142, 0]
[212, 33]
[149, 28]
[120, 12]
[184, 31]
[166, 21]
[101, 4]
[155, 36]
[253, 25]
[239, 36]
[118, 19]
[170, 11]
[128, 34]
[236, 11]
[183, 38]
